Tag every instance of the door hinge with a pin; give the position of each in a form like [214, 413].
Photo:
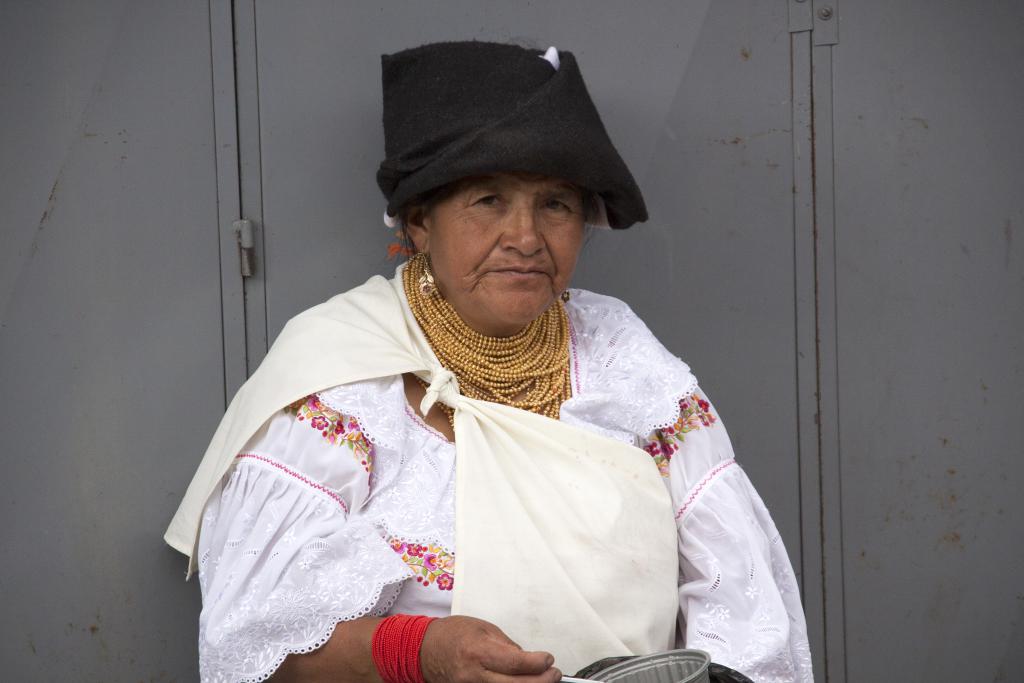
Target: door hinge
[246, 247]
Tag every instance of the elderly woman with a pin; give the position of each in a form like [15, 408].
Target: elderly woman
[472, 472]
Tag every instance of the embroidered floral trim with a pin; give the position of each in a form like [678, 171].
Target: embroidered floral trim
[336, 427]
[431, 564]
[694, 413]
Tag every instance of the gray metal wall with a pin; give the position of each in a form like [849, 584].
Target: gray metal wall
[929, 271]
[111, 367]
[833, 246]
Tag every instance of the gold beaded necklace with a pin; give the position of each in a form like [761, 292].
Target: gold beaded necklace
[529, 370]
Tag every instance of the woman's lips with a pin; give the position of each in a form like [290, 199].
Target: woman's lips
[522, 275]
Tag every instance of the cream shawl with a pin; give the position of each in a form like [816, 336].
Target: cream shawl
[564, 538]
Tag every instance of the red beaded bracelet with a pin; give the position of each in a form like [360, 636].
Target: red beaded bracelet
[396, 647]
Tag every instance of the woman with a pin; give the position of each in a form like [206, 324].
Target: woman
[520, 467]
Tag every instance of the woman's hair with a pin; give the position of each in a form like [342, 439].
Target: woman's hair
[422, 203]
[426, 201]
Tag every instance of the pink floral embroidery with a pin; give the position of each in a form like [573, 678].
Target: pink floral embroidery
[337, 428]
[694, 413]
[432, 564]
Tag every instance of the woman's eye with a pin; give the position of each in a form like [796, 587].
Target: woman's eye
[558, 205]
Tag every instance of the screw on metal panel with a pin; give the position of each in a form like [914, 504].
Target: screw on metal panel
[825, 13]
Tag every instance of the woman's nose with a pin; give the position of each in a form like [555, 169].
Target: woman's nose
[522, 231]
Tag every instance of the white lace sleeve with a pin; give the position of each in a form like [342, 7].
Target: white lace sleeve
[281, 561]
[738, 595]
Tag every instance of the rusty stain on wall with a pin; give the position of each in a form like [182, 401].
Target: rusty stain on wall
[951, 539]
[870, 562]
[741, 140]
[946, 499]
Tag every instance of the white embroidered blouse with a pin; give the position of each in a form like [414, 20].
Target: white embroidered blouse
[342, 505]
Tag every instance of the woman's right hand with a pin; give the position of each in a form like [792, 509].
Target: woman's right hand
[467, 650]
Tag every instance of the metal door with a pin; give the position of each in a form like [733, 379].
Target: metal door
[929, 300]
[111, 356]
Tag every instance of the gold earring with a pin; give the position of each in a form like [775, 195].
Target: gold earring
[426, 281]
[565, 295]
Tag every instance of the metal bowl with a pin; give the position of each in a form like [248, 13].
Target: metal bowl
[674, 666]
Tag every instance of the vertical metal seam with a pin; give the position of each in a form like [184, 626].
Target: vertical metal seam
[250, 181]
[225, 115]
[216, 210]
[796, 323]
[238, 157]
[259, 147]
[238, 180]
[827, 342]
[835, 350]
[817, 367]
[808, 419]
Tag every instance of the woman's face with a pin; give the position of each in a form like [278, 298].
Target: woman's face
[502, 247]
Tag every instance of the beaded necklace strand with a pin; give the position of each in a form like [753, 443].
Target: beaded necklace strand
[529, 370]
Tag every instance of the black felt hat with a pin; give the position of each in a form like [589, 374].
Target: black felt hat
[453, 110]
